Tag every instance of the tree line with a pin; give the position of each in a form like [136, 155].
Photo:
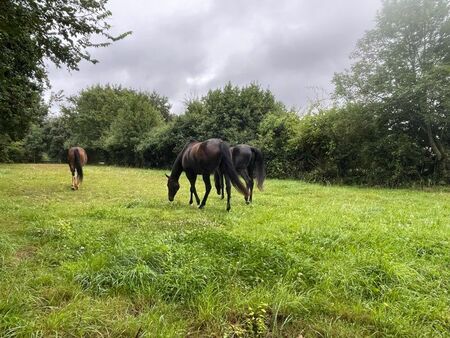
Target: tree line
[389, 124]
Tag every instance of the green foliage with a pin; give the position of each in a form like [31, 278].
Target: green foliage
[32, 32]
[14, 152]
[234, 113]
[90, 114]
[348, 145]
[276, 132]
[231, 113]
[159, 147]
[30, 149]
[402, 66]
[161, 103]
[110, 122]
[56, 133]
[136, 118]
[34, 144]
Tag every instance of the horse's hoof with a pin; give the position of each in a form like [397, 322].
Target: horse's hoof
[201, 206]
[247, 202]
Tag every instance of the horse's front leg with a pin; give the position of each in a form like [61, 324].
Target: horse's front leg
[192, 178]
[207, 181]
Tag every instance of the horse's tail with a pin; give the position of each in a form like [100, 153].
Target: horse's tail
[259, 166]
[228, 169]
[77, 164]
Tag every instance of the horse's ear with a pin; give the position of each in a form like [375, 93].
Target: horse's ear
[167, 176]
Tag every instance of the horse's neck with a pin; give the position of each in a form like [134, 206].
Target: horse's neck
[177, 168]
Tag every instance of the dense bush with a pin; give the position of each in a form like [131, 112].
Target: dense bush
[276, 135]
[352, 144]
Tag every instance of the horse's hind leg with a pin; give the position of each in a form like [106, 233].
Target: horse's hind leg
[77, 180]
[228, 186]
[73, 181]
[250, 171]
[249, 184]
[207, 181]
[251, 188]
[72, 170]
[222, 186]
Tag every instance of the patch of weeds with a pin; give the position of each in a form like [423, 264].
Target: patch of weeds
[253, 323]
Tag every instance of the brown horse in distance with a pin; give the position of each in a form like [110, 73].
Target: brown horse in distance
[77, 159]
[204, 158]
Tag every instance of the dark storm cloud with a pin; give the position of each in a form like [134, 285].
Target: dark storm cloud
[183, 48]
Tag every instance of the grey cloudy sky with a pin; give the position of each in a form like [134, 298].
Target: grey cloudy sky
[183, 48]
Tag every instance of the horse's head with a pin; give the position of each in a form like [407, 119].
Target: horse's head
[173, 187]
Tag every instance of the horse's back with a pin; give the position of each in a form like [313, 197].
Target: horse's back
[202, 157]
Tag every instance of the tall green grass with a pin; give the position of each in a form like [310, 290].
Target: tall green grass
[117, 259]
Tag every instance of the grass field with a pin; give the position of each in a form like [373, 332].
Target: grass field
[117, 259]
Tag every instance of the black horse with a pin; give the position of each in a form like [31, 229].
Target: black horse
[204, 158]
[248, 162]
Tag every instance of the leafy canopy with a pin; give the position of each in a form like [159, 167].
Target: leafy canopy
[403, 66]
[33, 32]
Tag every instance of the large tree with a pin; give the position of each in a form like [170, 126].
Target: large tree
[402, 66]
[112, 120]
[232, 113]
[33, 32]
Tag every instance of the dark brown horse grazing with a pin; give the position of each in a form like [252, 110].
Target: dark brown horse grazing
[248, 162]
[77, 159]
[204, 158]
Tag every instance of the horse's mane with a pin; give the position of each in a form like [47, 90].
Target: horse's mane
[177, 163]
